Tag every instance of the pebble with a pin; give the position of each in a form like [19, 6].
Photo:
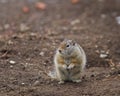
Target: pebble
[24, 27]
[12, 62]
[10, 42]
[33, 34]
[36, 83]
[75, 22]
[107, 76]
[118, 19]
[102, 55]
[41, 53]
[107, 52]
[23, 83]
[11, 66]
[96, 46]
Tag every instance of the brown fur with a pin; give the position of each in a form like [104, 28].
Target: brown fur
[62, 46]
[60, 60]
[76, 61]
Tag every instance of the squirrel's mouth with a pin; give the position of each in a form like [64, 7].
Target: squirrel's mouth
[67, 54]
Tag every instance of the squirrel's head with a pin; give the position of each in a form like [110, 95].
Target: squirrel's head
[67, 47]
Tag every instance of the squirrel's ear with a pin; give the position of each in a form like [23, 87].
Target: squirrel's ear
[73, 42]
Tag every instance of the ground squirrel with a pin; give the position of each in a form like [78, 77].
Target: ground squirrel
[70, 61]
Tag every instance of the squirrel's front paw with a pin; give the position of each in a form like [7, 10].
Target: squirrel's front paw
[71, 66]
[64, 66]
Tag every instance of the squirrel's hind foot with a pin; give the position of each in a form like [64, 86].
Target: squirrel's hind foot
[61, 82]
[77, 81]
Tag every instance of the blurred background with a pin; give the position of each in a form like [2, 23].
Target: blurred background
[30, 32]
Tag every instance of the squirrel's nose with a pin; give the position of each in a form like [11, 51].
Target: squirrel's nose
[60, 51]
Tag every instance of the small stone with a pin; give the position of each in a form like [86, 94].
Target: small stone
[75, 22]
[6, 26]
[41, 53]
[44, 64]
[33, 34]
[107, 52]
[11, 66]
[96, 46]
[118, 19]
[103, 55]
[23, 83]
[12, 62]
[36, 83]
[112, 68]
[24, 27]
[10, 42]
[107, 76]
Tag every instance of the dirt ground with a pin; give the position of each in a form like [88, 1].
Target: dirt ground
[28, 41]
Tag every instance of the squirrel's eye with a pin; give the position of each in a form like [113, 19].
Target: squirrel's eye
[67, 46]
[60, 51]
